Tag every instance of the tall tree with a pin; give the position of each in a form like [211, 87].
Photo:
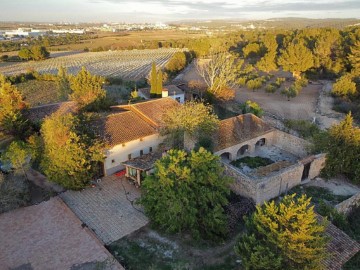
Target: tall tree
[11, 107]
[219, 74]
[153, 79]
[342, 145]
[354, 57]
[63, 83]
[296, 58]
[283, 236]
[187, 192]
[87, 89]
[70, 157]
[19, 155]
[159, 83]
[195, 119]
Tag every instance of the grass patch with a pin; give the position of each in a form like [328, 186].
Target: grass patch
[252, 162]
[305, 128]
[319, 194]
[39, 92]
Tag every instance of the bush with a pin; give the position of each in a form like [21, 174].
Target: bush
[306, 129]
[344, 86]
[271, 88]
[252, 107]
[279, 81]
[254, 84]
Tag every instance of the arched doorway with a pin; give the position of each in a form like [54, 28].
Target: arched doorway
[226, 157]
[260, 142]
[243, 150]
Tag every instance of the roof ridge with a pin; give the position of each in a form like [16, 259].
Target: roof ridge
[144, 117]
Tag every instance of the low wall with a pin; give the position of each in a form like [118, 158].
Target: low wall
[290, 143]
[273, 186]
[317, 165]
[242, 185]
[346, 206]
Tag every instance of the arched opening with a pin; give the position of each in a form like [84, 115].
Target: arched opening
[260, 142]
[243, 150]
[226, 157]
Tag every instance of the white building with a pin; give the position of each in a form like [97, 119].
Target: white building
[171, 91]
[131, 132]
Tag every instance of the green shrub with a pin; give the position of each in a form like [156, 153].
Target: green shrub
[254, 84]
[306, 129]
[271, 88]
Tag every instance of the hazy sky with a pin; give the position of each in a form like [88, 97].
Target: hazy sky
[171, 10]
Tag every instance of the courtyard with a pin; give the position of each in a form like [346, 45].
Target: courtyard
[109, 208]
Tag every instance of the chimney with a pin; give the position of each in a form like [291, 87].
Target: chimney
[165, 92]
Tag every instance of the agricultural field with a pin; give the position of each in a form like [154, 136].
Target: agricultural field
[39, 92]
[128, 65]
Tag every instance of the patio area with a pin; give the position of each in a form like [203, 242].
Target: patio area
[107, 208]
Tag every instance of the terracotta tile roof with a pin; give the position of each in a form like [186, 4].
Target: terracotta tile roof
[122, 127]
[40, 112]
[341, 247]
[150, 110]
[49, 236]
[239, 129]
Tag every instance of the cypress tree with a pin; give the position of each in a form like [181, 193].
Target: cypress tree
[159, 85]
[153, 80]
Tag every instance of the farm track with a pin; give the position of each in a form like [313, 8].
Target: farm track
[130, 64]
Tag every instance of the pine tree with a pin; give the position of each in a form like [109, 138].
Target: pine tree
[153, 80]
[187, 192]
[63, 84]
[354, 57]
[283, 236]
[296, 58]
[87, 89]
[159, 83]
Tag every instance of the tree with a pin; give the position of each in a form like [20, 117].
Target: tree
[159, 83]
[296, 58]
[344, 86]
[268, 62]
[341, 143]
[87, 90]
[283, 236]
[195, 119]
[187, 192]
[39, 53]
[63, 83]
[219, 75]
[153, 80]
[252, 107]
[70, 157]
[25, 53]
[18, 155]
[176, 63]
[11, 107]
[354, 57]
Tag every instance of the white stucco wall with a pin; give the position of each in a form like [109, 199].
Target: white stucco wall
[118, 154]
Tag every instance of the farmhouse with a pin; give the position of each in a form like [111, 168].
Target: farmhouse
[249, 136]
[132, 131]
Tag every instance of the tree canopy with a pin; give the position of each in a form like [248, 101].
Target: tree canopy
[156, 81]
[11, 106]
[187, 192]
[296, 58]
[71, 158]
[286, 235]
[342, 145]
[87, 89]
[34, 53]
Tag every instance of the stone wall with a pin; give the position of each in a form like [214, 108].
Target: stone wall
[346, 206]
[317, 165]
[290, 143]
[278, 183]
[233, 150]
[242, 185]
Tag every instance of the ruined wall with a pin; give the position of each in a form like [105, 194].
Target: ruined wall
[290, 143]
[233, 150]
[346, 206]
[274, 185]
[242, 185]
[317, 165]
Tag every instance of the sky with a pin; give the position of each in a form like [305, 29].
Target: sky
[171, 10]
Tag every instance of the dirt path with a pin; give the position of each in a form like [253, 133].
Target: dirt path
[337, 186]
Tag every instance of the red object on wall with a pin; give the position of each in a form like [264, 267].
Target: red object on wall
[120, 173]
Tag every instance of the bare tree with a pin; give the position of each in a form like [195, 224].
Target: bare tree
[219, 74]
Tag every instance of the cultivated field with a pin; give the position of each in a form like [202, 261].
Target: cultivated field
[130, 64]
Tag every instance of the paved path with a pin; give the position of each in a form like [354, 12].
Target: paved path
[49, 236]
[106, 209]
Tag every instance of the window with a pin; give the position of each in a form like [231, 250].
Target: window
[141, 152]
[129, 156]
[132, 172]
[150, 149]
